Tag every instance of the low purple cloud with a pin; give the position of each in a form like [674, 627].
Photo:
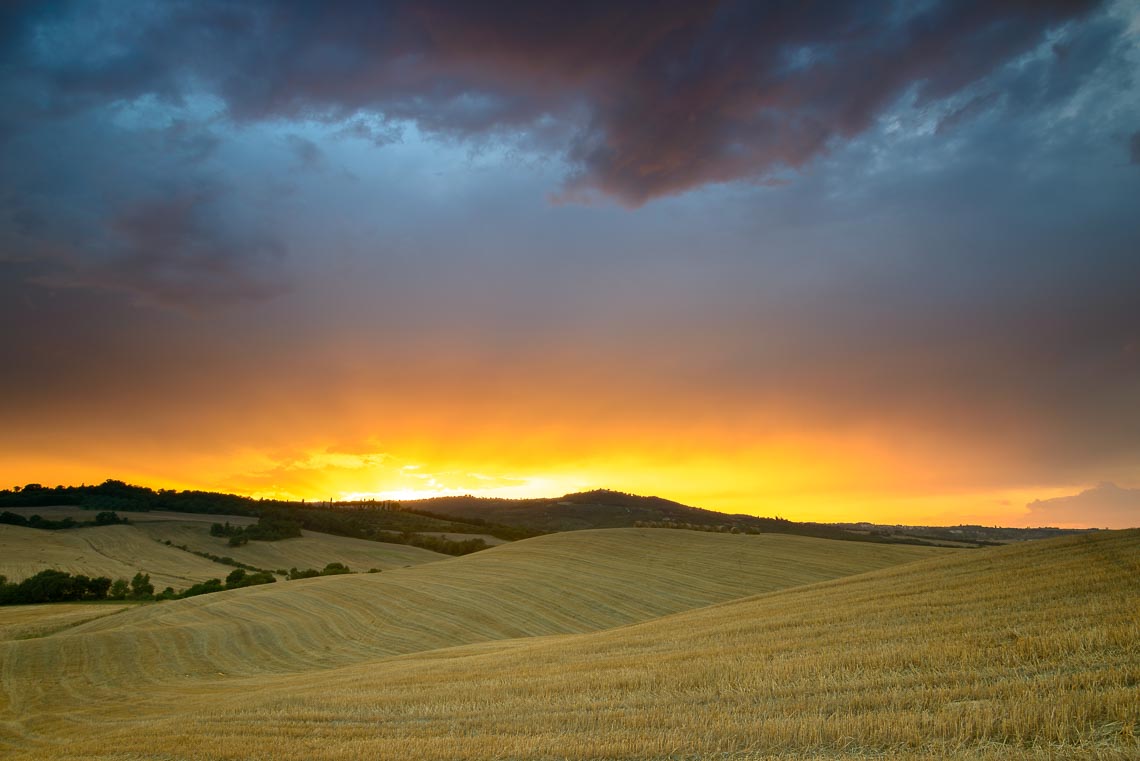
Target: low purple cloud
[1106, 505]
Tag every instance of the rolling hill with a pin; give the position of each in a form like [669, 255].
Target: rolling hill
[114, 551]
[600, 508]
[1015, 652]
[311, 550]
[491, 520]
[121, 551]
[29, 621]
[557, 584]
[604, 508]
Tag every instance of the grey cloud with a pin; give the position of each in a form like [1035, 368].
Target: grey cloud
[194, 142]
[308, 153]
[975, 106]
[174, 252]
[377, 131]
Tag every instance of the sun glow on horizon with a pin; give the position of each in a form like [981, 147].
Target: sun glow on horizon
[794, 478]
[825, 477]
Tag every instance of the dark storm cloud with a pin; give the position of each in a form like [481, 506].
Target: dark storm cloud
[650, 98]
[114, 106]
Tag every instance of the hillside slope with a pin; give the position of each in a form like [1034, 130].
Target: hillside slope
[1014, 652]
[114, 551]
[121, 551]
[311, 550]
[564, 583]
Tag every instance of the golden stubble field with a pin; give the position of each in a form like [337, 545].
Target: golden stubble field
[30, 621]
[114, 551]
[121, 551]
[1026, 651]
[311, 550]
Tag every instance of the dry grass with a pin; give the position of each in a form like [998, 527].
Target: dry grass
[114, 551]
[311, 550]
[27, 621]
[563, 583]
[1027, 651]
[122, 551]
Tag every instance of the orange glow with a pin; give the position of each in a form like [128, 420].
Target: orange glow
[821, 478]
[422, 435]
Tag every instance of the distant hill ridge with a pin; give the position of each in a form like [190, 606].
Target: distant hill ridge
[598, 508]
[505, 518]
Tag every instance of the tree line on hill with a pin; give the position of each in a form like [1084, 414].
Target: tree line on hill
[389, 525]
[434, 543]
[59, 586]
[818, 531]
[384, 521]
[332, 569]
[270, 527]
[273, 526]
[52, 585]
[237, 578]
[105, 518]
[118, 495]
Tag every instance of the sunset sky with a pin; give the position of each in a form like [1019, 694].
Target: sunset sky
[844, 261]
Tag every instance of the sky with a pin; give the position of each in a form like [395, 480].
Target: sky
[859, 261]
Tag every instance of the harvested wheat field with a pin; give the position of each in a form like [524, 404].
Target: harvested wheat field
[311, 550]
[114, 551]
[1026, 651]
[563, 583]
[28, 621]
[122, 551]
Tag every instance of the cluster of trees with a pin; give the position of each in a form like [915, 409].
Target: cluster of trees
[236, 579]
[270, 527]
[433, 543]
[390, 525]
[105, 518]
[478, 525]
[332, 569]
[59, 586]
[363, 524]
[717, 529]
